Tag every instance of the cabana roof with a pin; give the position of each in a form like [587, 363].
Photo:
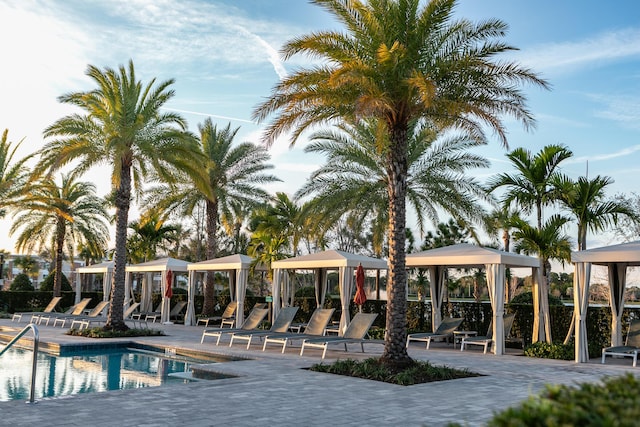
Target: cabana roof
[231, 262]
[162, 264]
[103, 267]
[465, 254]
[329, 259]
[628, 253]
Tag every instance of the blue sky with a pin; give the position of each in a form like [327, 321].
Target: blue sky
[223, 55]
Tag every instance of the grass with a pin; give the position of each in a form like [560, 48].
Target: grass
[102, 333]
[373, 369]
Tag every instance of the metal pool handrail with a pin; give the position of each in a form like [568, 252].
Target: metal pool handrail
[36, 340]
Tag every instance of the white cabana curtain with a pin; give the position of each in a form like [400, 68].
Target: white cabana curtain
[617, 283]
[437, 287]
[495, 282]
[581, 277]
[321, 286]
[165, 311]
[190, 316]
[233, 283]
[275, 290]
[541, 319]
[346, 289]
[147, 290]
[106, 287]
[242, 274]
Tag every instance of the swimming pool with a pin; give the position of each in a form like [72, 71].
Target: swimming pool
[90, 371]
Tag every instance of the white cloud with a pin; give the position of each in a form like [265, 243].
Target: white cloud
[567, 56]
[608, 156]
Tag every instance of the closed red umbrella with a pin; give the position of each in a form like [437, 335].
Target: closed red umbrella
[168, 292]
[360, 296]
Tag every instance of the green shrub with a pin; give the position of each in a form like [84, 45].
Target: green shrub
[102, 333]
[21, 283]
[306, 292]
[47, 283]
[373, 369]
[527, 298]
[614, 402]
[556, 350]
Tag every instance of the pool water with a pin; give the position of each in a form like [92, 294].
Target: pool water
[85, 372]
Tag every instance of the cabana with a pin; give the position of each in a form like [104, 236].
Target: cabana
[161, 266]
[616, 258]
[237, 266]
[466, 255]
[320, 262]
[104, 268]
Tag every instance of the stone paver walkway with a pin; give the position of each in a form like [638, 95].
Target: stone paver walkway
[273, 389]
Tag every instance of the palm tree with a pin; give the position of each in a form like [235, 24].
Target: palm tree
[532, 187]
[399, 62]
[585, 200]
[67, 214]
[501, 218]
[355, 181]
[548, 242]
[123, 127]
[150, 234]
[13, 172]
[233, 175]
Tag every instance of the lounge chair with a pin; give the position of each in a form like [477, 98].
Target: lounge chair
[445, 330]
[175, 312]
[354, 333]
[280, 324]
[227, 318]
[85, 322]
[148, 315]
[252, 321]
[315, 328]
[487, 341]
[95, 312]
[631, 347]
[75, 310]
[35, 315]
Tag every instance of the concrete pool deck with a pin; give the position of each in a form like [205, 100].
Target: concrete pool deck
[271, 388]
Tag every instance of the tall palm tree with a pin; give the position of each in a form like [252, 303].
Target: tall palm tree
[400, 61]
[234, 173]
[281, 218]
[501, 218]
[532, 186]
[354, 179]
[585, 200]
[122, 126]
[13, 172]
[547, 242]
[67, 214]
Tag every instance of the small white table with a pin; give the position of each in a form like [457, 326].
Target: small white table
[459, 335]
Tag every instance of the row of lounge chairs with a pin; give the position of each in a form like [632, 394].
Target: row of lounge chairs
[279, 333]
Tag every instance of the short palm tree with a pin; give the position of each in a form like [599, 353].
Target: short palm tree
[13, 172]
[149, 234]
[547, 242]
[234, 175]
[355, 181]
[399, 61]
[532, 186]
[123, 126]
[585, 200]
[69, 214]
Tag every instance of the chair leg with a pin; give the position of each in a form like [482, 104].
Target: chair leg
[635, 358]
[249, 341]
[324, 351]
[428, 342]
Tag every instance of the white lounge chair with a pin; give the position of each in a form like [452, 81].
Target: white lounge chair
[445, 330]
[85, 322]
[252, 321]
[631, 347]
[315, 328]
[35, 315]
[280, 324]
[98, 310]
[227, 318]
[354, 333]
[487, 341]
[75, 310]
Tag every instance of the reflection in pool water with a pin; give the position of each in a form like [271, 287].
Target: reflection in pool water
[86, 373]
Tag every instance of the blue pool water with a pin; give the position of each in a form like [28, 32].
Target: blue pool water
[86, 372]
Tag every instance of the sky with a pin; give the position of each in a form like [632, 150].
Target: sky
[224, 58]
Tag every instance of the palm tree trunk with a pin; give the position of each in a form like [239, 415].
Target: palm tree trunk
[208, 306]
[57, 279]
[395, 351]
[115, 319]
